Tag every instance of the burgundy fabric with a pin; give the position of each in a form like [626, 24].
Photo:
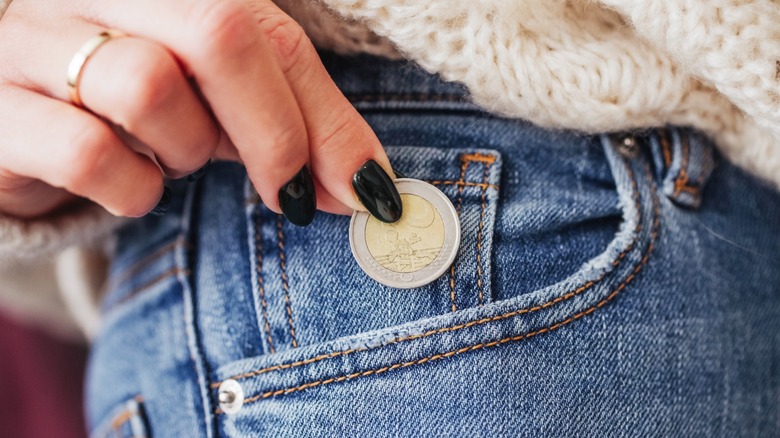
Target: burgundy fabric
[41, 384]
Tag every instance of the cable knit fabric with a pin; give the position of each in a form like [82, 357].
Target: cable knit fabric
[85, 225]
[605, 66]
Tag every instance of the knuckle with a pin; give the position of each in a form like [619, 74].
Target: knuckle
[288, 39]
[282, 142]
[339, 135]
[150, 83]
[85, 154]
[223, 26]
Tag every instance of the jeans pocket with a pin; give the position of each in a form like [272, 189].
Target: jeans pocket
[367, 358]
[125, 421]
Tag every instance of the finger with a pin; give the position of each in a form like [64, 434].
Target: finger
[76, 151]
[223, 48]
[326, 202]
[28, 198]
[340, 140]
[136, 84]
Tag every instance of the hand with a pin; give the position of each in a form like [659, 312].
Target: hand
[195, 79]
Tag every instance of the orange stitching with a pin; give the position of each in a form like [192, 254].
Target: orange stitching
[260, 284]
[463, 166]
[466, 184]
[665, 147]
[125, 415]
[479, 235]
[583, 288]
[146, 261]
[588, 311]
[121, 418]
[682, 178]
[165, 275]
[285, 285]
[483, 158]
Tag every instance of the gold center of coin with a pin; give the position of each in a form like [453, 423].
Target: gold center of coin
[410, 244]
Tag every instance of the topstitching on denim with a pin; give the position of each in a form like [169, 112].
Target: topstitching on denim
[258, 241]
[285, 280]
[684, 162]
[126, 421]
[466, 160]
[620, 287]
[118, 296]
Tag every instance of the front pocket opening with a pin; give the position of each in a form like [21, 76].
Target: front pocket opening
[585, 292]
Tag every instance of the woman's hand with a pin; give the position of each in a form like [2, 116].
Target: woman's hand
[195, 79]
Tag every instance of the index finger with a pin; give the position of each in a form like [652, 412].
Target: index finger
[220, 44]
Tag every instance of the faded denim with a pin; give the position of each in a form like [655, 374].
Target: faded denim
[608, 285]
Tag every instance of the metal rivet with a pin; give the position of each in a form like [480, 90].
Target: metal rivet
[231, 396]
[628, 146]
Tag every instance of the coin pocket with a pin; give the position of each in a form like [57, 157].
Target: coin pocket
[310, 289]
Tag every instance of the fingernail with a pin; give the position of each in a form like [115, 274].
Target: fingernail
[163, 204]
[377, 192]
[297, 198]
[398, 174]
[194, 176]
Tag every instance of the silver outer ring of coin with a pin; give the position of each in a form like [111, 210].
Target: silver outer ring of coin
[426, 275]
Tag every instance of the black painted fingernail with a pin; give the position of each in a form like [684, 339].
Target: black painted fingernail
[194, 176]
[377, 192]
[163, 204]
[398, 174]
[297, 198]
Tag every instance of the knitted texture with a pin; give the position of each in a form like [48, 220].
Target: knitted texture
[596, 67]
[86, 224]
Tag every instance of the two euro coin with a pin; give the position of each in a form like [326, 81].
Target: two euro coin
[415, 250]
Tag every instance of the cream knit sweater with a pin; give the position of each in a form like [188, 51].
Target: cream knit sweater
[588, 65]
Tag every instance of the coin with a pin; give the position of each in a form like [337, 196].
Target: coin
[415, 250]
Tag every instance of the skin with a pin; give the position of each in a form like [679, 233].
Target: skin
[196, 79]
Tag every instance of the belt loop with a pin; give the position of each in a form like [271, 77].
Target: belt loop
[684, 161]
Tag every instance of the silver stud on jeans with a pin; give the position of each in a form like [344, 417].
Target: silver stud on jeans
[231, 396]
[627, 146]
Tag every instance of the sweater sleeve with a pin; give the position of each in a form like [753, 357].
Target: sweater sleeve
[82, 224]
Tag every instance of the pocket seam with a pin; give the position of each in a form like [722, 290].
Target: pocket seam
[285, 281]
[634, 272]
[485, 177]
[464, 165]
[615, 262]
[257, 219]
[169, 273]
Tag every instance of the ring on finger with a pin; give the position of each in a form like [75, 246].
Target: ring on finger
[79, 60]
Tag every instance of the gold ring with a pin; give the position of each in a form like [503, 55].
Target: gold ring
[79, 60]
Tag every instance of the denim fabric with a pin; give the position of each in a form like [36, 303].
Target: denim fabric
[607, 285]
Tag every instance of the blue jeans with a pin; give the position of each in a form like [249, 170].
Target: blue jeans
[605, 285]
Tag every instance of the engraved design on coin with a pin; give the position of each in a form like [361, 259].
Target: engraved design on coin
[418, 248]
[410, 244]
